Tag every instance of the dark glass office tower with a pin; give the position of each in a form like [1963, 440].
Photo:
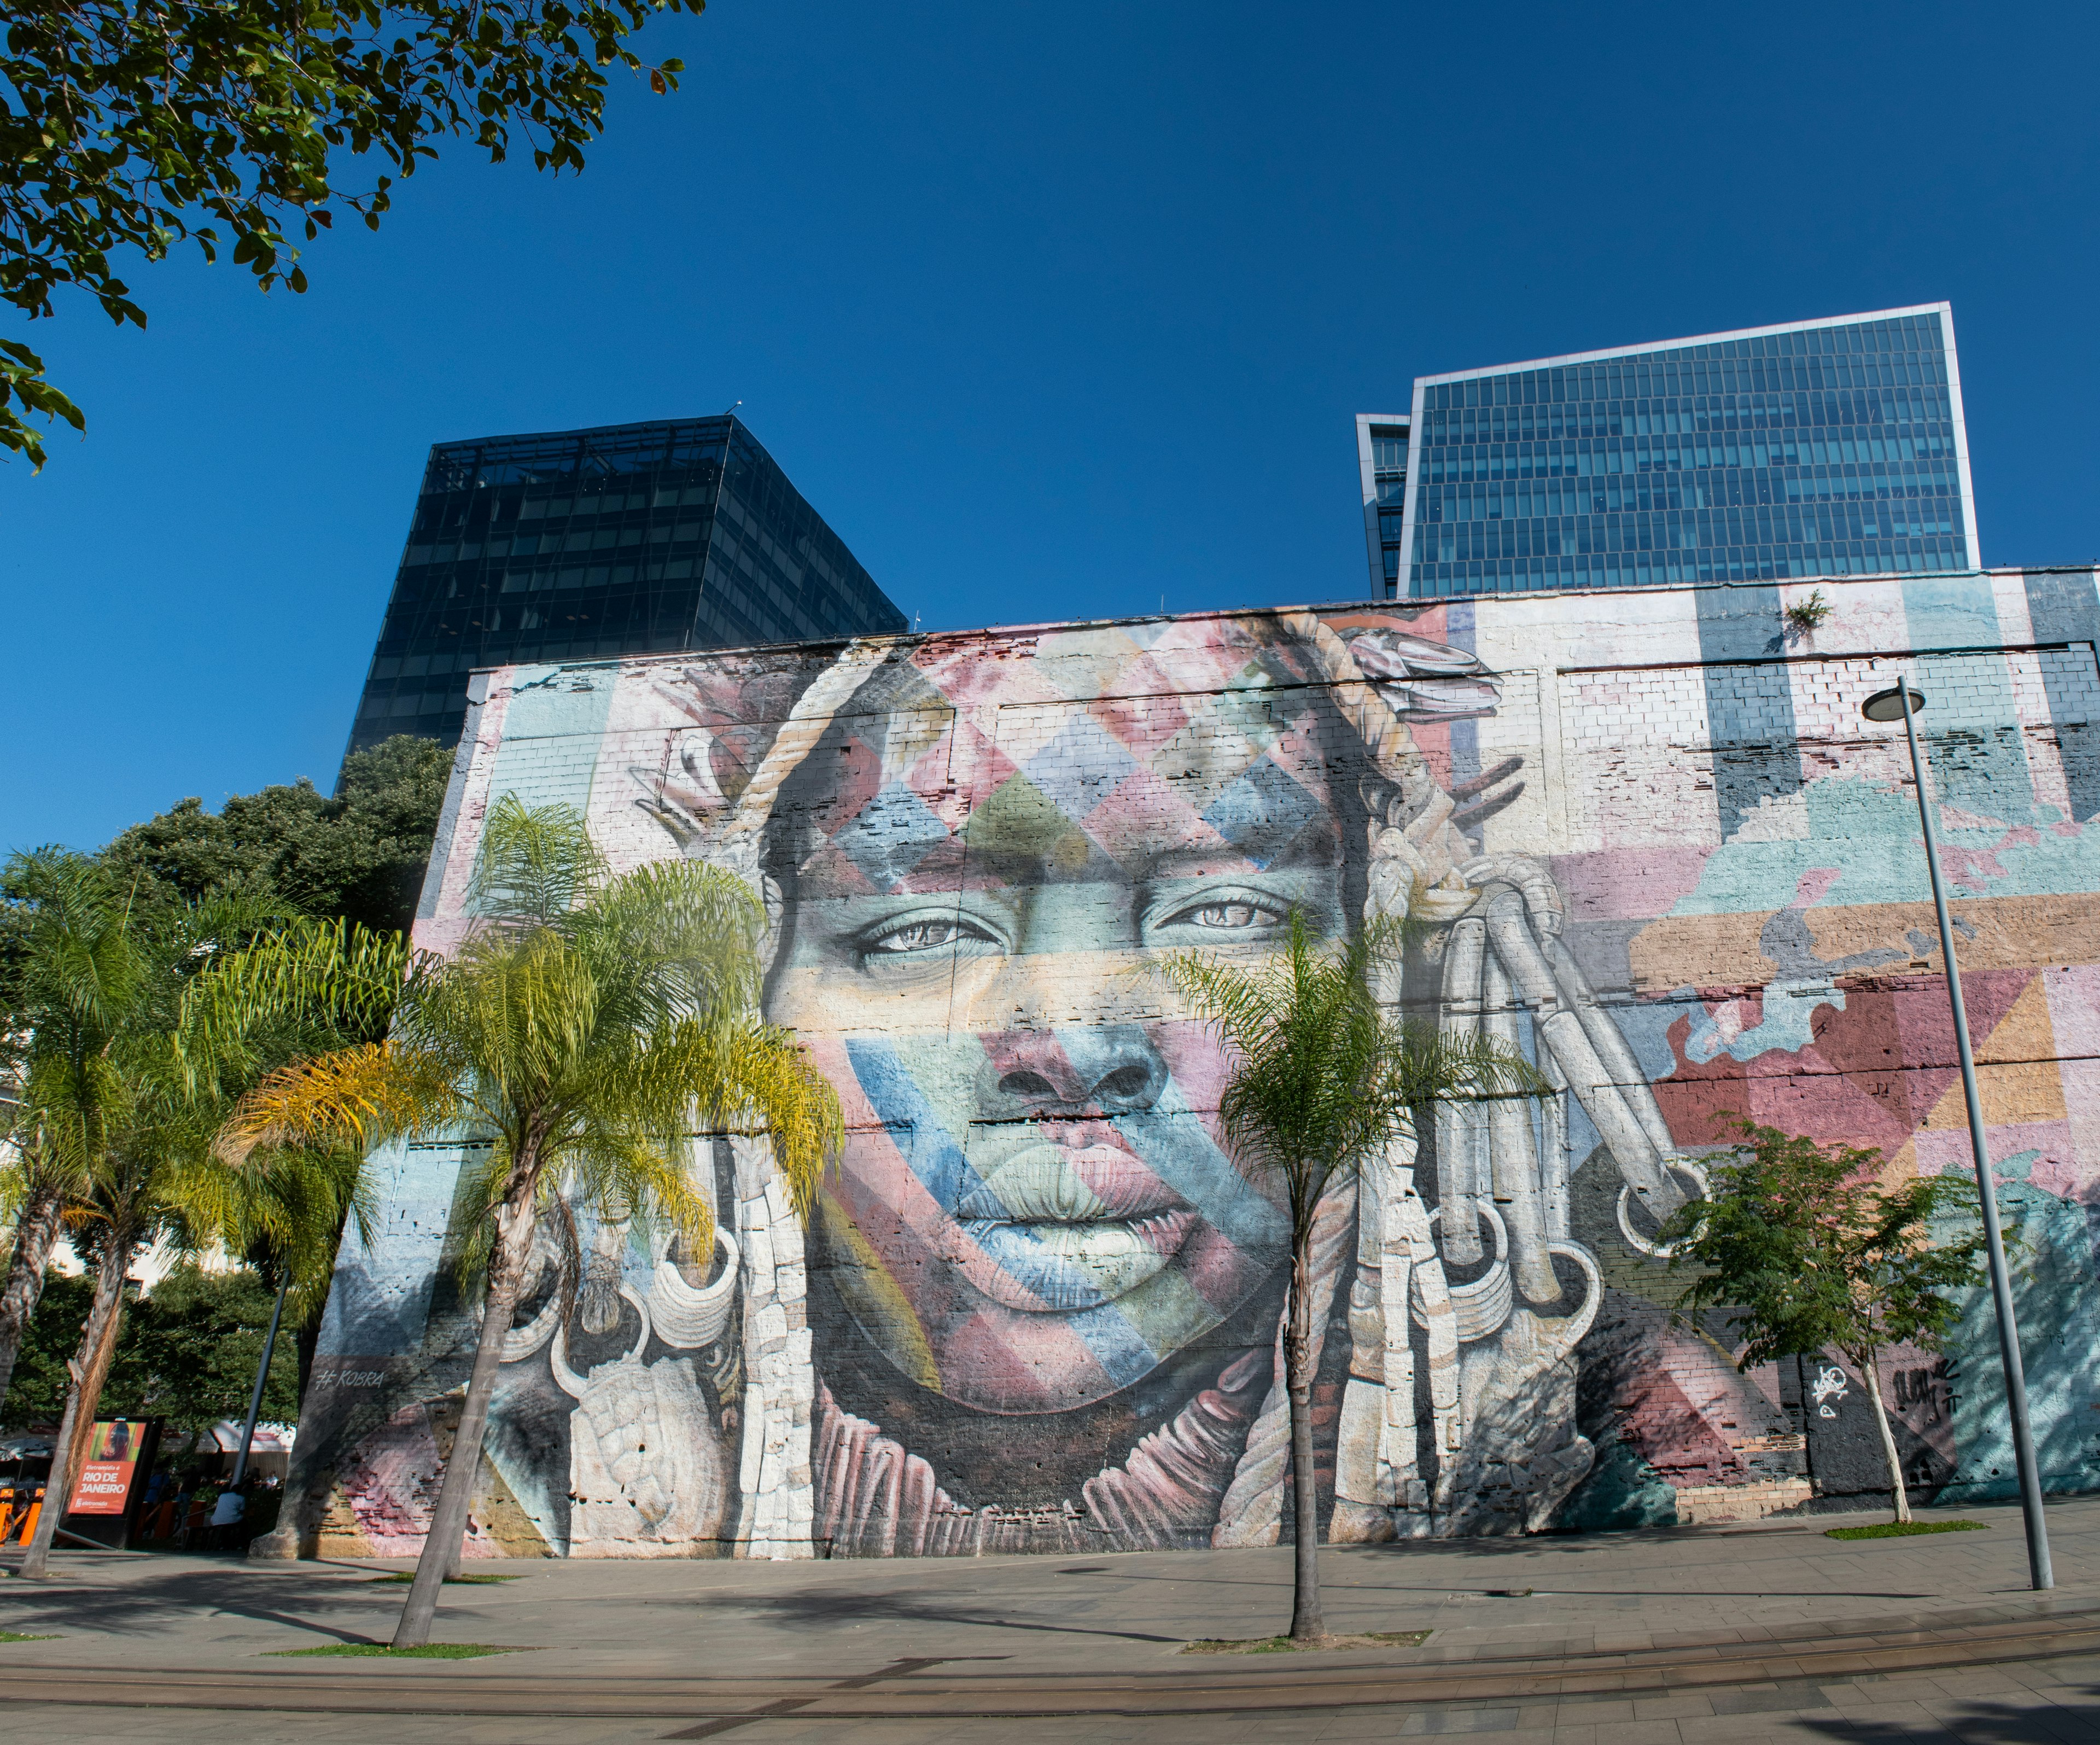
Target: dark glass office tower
[627, 539]
[1831, 448]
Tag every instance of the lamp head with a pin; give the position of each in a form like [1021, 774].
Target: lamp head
[1887, 705]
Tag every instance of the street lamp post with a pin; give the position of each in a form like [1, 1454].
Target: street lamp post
[1901, 703]
[262, 1376]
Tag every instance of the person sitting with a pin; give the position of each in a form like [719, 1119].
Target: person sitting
[226, 1515]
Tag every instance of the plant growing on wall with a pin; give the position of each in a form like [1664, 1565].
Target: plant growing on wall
[1804, 1249]
[1804, 616]
[1324, 1078]
[580, 1027]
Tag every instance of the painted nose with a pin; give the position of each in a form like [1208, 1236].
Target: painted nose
[1111, 1070]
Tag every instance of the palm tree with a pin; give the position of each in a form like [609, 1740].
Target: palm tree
[586, 1027]
[37, 1200]
[1326, 1077]
[79, 966]
[125, 1113]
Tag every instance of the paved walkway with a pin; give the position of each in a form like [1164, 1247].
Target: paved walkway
[1714, 1634]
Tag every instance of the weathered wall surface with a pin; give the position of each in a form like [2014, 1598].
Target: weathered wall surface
[1039, 1307]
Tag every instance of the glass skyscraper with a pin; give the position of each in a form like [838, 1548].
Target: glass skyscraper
[631, 538]
[1831, 448]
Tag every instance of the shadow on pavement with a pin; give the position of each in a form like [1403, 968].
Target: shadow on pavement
[835, 1607]
[142, 1607]
[2043, 1722]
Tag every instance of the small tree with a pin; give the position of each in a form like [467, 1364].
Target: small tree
[1805, 1250]
[1325, 1077]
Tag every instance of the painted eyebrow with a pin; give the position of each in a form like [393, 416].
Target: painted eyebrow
[1201, 863]
[1198, 863]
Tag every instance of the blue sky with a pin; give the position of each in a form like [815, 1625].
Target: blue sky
[1052, 311]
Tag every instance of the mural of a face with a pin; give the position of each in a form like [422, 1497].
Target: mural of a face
[1033, 1210]
[1036, 1309]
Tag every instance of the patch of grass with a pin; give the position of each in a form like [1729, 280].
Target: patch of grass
[450, 1581]
[380, 1651]
[1256, 1645]
[18, 1636]
[1284, 1645]
[1905, 1529]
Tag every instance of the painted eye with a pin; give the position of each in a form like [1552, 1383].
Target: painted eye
[1225, 917]
[926, 935]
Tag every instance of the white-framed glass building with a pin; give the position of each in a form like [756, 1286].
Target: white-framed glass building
[1826, 447]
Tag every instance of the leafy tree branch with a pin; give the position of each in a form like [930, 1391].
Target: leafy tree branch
[1806, 1248]
[232, 123]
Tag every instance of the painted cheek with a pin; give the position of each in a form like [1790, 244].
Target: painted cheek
[1219, 1270]
[1196, 1058]
[828, 1055]
[910, 998]
[890, 1209]
[1200, 1072]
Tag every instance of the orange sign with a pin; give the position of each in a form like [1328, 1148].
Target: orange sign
[104, 1484]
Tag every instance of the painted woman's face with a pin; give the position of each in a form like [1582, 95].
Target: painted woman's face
[1034, 1208]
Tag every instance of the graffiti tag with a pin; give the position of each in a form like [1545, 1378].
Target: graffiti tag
[1830, 1383]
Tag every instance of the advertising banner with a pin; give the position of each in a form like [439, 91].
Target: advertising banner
[105, 1485]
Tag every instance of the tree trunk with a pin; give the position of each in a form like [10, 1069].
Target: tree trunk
[1307, 1623]
[441, 1545]
[89, 1368]
[36, 1233]
[1870, 1367]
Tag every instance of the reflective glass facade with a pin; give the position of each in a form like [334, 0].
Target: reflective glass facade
[1817, 448]
[1382, 459]
[627, 539]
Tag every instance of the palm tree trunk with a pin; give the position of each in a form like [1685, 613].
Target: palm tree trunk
[1307, 1623]
[1870, 1366]
[441, 1545]
[89, 1368]
[35, 1234]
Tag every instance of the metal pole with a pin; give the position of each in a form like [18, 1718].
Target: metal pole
[2001, 1289]
[262, 1376]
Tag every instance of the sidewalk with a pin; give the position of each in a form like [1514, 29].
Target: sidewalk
[1766, 1632]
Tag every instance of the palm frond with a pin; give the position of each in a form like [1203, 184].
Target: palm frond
[536, 864]
[362, 1095]
[290, 1204]
[687, 936]
[334, 971]
[1325, 1075]
[81, 960]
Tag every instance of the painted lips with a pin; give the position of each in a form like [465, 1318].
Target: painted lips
[1069, 1227]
